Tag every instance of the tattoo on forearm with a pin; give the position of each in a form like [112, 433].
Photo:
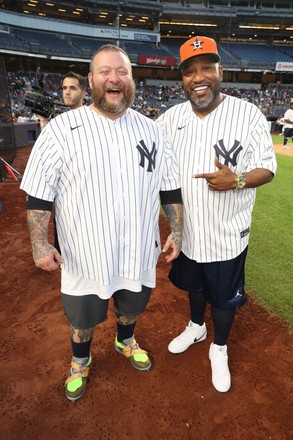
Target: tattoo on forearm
[82, 335]
[38, 223]
[175, 218]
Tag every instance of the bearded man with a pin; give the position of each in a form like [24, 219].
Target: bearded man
[103, 166]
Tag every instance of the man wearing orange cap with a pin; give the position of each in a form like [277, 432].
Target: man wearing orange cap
[225, 151]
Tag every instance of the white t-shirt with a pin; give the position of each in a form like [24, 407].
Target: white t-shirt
[288, 115]
[77, 286]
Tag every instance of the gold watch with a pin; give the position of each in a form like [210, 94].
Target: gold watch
[240, 181]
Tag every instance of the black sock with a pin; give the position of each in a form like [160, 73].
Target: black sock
[81, 349]
[197, 303]
[223, 320]
[125, 331]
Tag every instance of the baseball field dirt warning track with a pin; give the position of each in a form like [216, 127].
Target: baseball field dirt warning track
[175, 400]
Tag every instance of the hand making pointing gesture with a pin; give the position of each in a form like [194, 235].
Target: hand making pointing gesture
[221, 180]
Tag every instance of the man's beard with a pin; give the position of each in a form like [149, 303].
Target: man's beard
[202, 104]
[101, 103]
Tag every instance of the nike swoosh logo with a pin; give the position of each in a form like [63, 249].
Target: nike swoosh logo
[180, 128]
[200, 338]
[73, 128]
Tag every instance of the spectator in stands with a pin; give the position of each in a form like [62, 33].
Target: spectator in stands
[274, 100]
[225, 151]
[23, 117]
[288, 126]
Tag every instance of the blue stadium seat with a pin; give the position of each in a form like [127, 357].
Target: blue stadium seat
[45, 42]
[255, 54]
[9, 41]
[143, 48]
[288, 50]
[88, 46]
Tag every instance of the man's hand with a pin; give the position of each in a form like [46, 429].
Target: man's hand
[173, 245]
[43, 121]
[221, 180]
[46, 257]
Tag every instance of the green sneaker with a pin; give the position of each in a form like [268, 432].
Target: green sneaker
[75, 385]
[137, 357]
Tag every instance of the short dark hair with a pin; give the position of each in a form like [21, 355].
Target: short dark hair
[81, 79]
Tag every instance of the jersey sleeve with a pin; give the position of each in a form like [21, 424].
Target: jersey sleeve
[40, 178]
[171, 176]
[262, 145]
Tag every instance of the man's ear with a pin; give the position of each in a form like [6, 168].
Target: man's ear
[221, 70]
[90, 77]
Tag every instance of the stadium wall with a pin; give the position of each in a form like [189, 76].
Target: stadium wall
[225, 85]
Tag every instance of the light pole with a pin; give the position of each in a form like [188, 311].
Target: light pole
[118, 26]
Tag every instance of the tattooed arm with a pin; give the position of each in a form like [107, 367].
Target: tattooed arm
[174, 214]
[44, 254]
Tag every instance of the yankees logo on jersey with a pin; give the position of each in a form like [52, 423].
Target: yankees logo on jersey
[147, 155]
[230, 156]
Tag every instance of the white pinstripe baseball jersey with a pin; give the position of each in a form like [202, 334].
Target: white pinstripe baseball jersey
[288, 115]
[217, 224]
[104, 177]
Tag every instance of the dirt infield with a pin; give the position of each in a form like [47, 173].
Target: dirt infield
[175, 400]
[280, 150]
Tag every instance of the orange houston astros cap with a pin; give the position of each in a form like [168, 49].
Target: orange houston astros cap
[198, 46]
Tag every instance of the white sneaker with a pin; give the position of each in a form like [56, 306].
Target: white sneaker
[191, 335]
[221, 377]
[286, 147]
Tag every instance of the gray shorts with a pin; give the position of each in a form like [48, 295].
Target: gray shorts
[89, 310]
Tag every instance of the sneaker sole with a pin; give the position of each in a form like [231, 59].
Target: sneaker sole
[73, 399]
[135, 366]
[201, 339]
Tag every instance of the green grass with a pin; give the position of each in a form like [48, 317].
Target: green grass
[277, 139]
[269, 267]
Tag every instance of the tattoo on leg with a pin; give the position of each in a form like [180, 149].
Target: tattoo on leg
[82, 335]
[125, 320]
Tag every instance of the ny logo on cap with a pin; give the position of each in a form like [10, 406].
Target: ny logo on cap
[197, 44]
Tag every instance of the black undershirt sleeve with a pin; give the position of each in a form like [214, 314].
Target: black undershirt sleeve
[38, 204]
[171, 197]
[167, 198]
